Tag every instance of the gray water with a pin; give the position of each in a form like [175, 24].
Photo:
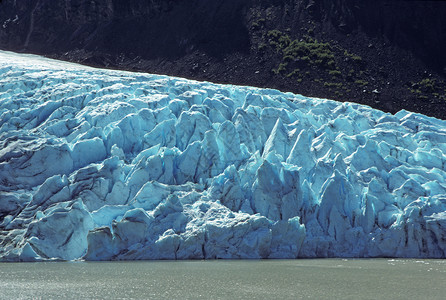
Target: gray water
[236, 279]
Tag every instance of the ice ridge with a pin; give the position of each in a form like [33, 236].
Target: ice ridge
[110, 165]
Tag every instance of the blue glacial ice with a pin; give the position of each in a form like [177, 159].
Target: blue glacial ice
[110, 165]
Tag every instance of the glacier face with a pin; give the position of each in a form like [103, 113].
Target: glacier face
[103, 165]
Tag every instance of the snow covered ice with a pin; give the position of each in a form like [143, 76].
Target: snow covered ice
[110, 165]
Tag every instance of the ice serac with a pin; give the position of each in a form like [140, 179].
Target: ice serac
[110, 165]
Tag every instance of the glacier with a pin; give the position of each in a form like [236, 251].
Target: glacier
[110, 165]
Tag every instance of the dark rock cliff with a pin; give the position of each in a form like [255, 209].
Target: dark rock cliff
[155, 28]
[387, 54]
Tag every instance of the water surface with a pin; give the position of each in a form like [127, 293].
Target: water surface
[234, 279]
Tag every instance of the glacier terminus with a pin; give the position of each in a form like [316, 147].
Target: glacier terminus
[111, 165]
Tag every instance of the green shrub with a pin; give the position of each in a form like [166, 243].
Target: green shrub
[334, 72]
[294, 72]
[361, 82]
[354, 57]
[281, 68]
[307, 51]
[428, 84]
[333, 84]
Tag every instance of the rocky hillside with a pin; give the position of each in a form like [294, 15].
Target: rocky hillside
[387, 54]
